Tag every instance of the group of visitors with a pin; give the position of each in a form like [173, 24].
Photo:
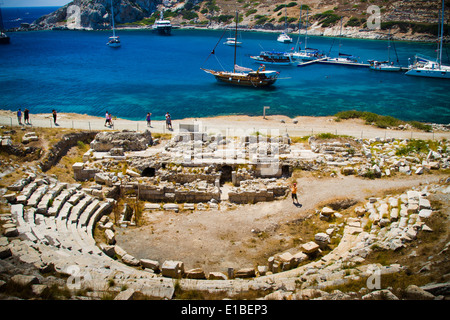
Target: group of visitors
[168, 120]
[108, 119]
[26, 116]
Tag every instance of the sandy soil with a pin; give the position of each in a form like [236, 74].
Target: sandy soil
[218, 239]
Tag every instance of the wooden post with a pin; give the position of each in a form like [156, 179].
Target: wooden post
[264, 111]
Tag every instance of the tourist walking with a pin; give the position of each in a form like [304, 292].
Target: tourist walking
[26, 116]
[106, 118]
[168, 121]
[110, 120]
[149, 119]
[19, 116]
[294, 192]
[54, 116]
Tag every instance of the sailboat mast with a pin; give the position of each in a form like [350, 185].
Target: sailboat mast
[340, 36]
[389, 46]
[306, 30]
[297, 46]
[235, 40]
[442, 33]
[112, 13]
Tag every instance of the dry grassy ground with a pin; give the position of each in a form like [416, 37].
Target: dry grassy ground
[249, 234]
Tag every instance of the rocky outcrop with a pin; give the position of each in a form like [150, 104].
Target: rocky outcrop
[125, 140]
[88, 14]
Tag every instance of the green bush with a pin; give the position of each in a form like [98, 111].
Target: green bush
[428, 28]
[261, 19]
[379, 121]
[353, 22]
[327, 18]
[250, 12]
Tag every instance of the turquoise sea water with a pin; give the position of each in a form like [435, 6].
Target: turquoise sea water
[74, 71]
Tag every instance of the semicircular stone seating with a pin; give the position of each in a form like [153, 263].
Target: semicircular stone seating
[55, 224]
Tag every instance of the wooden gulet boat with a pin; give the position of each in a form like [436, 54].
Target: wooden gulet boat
[241, 76]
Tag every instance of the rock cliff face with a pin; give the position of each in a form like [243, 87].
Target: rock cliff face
[96, 14]
[408, 19]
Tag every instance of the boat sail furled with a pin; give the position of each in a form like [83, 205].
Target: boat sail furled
[308, 54]
[114, 41]
[241, 76]
[385, 65]
[425, 67]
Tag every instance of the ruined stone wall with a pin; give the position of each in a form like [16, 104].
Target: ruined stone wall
[62, 146]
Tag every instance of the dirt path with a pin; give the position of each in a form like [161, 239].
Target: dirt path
[249, 234]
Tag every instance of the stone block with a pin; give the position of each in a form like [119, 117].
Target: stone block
[119, 251]
[128, 294]
[110, 236]
[322, 239]
[245, 273]
[425, 213]
[172, 269]
[130, 260]
[24, 280]
[326, 211]
[217, 276]
[299, 257]
[150, 264]
[310, 247]
[196, 273]
[171, 206]
[152, 206]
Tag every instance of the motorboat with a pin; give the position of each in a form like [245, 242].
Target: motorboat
[274, 58]
[162, 26]
[426, 67]
[284, 38]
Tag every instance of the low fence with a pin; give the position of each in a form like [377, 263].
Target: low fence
[297, 130]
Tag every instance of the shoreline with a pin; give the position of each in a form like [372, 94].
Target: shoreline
[348, 33]
[229, 125]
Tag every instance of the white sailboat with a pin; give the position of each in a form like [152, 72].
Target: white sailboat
[342, 58]
[284, 37]
[114, 41]
[426, 67]
[308, 54]
[233, 41]
[385, 65]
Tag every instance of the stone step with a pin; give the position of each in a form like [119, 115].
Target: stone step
[84, 247]
[88, 212]
[37, 232]
[104, 207]
[88, 240]
[29, 216]
[59, 201]
[33, 201]
[49, 196]
[79, 208]
[75, 198]
[26, 193]
[64, 212]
